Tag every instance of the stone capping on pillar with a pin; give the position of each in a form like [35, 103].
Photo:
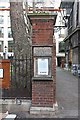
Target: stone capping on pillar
[42, 15]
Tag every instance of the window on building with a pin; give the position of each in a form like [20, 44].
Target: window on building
[40, 1]
[9, 33]
[10, 46]
[1, 46]
[61, 35]
[77, 16]
[61, 47]
[9, 20]
[75, 55]
[1, 19]
[4, 5]
[1, 32]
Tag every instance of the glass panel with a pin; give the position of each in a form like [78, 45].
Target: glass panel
[1, 46]
[8, 20]
[61, 47]
[1, 19]
[1, 32]
[9, 33]
[10, 46]
[4, 3]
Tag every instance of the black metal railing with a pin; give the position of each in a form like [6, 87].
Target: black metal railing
[20, 78]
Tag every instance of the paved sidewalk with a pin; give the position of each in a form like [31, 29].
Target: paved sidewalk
[66, 95]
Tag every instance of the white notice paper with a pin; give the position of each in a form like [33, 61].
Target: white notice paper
[42, 66]
[1, 73]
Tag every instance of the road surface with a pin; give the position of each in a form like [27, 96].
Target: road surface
[66, 93]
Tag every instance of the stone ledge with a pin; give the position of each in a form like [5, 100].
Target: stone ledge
[44, 110]
[42, 78]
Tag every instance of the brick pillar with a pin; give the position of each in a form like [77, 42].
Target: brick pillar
[43, 83]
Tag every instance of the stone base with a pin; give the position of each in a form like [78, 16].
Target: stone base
[44, 110]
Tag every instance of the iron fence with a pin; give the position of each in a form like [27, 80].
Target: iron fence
[20, 78]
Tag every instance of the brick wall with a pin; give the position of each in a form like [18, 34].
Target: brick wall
[42, 32]
[43, 93]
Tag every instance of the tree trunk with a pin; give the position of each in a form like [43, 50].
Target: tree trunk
[19, 33]
[22, 41]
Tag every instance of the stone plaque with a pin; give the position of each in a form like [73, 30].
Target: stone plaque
[42, 51]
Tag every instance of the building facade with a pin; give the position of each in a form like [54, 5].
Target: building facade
[59, 36]
[60, 50]
[6, 40]
[72, 39]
